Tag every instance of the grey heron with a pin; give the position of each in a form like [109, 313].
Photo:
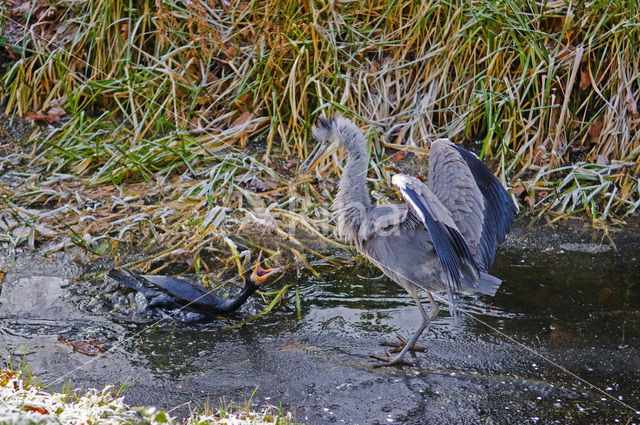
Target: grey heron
[443, 237]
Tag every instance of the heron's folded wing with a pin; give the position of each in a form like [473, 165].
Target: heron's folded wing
[381, 218]
[479, 205]
[452, 250]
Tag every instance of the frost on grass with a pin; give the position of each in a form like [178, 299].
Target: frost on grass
[22, 403]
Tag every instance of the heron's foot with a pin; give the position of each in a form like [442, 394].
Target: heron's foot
[390, 361]
[398, 346]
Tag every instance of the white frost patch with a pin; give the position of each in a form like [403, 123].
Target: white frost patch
[22, 404]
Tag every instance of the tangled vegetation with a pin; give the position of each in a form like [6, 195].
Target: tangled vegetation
[163, 123]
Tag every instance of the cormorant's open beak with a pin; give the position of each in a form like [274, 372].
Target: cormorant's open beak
[260, 275]
[322, 151]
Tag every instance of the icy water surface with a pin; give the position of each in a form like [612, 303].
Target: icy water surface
[568, 308]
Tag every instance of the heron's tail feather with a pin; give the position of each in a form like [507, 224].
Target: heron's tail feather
[487, 284]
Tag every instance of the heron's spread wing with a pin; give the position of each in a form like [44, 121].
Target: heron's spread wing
[452, 250]
[500, 209]
[479, 205]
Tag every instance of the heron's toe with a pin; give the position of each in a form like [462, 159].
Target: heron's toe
[389, 361]
[398, 346]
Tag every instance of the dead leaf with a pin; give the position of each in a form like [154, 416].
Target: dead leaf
[519, 189]
[124, 31]
[540, 154]
[630, 105]
[290, 165]
[244, 99]
[230, 50]
[541, 195]
[593, 134]
[91, 347]
[35, 409]
[243, 118]
[398, 156]
[297, 347]
[257, 184]
[5, 376]
[585, 78]
[421, 177]
[54, 113]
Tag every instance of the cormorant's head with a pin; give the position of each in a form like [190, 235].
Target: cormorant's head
[260, 275]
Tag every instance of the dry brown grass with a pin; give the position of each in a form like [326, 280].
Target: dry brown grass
[210, 104]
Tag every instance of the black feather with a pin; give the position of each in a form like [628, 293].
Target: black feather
[181, 292]
[451, 249]
[499, 208]
[325, 123]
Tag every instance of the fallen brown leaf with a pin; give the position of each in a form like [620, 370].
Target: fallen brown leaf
[601, 160]
[593, 133]
[630, 105]
[53, 114]
[91, 347]
[519, 189]
[243, 118]
[398, 156]
[539, 154]
[585, 78]
[541, 195]
[258, 184]
[290, 165]
[35, 409]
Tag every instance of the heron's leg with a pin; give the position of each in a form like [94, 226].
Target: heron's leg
[426, 320]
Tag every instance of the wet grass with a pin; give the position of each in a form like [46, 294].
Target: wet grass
[179, 127]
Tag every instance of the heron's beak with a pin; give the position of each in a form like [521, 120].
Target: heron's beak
[321, 152]
[260, 275]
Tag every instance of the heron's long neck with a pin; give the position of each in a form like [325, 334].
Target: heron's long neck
[352, 200]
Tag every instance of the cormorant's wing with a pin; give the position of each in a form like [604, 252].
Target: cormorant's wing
[451, 248]
[180, 291]
[185, 292]
[477, 202]
[130, 280]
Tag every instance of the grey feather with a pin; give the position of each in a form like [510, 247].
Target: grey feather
[352, 202]
[452, 183]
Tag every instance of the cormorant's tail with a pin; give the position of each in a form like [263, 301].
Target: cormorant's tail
[126, 278]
